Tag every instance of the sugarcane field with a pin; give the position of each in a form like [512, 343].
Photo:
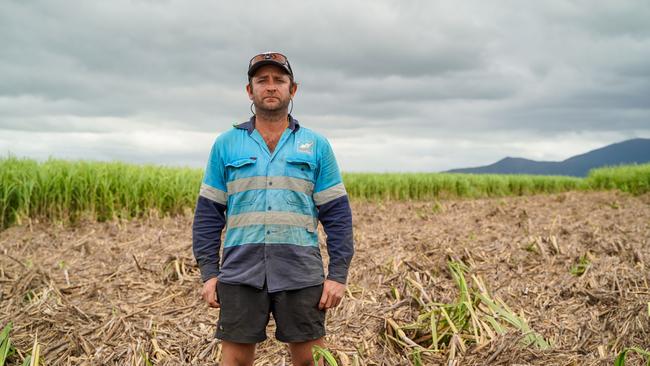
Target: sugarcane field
[325, 183]
[547, 278]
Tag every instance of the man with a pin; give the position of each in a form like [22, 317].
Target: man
[270, 181]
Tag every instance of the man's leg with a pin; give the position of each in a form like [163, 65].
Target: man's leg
[301, 352]
[299, 322]
[237, 354]
[242, 322]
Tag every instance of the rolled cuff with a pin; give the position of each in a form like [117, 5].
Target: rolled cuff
[338, 273]
[208, 271]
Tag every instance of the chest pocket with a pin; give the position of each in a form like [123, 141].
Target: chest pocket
[237, 170]
[299, 167]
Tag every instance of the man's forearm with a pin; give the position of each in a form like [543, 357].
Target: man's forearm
[336, 217]
[209, 221]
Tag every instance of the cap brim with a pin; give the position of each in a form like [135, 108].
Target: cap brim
[259, 64]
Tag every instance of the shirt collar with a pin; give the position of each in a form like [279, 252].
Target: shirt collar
[250, 124]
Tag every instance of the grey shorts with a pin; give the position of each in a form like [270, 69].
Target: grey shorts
[245, 312]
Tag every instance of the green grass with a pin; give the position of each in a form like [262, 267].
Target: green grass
[581, 266]
[67, 190]
[633, 179]
[320, 352]
[64, 190]
[620, 359]
[418, 186]
[7, 350]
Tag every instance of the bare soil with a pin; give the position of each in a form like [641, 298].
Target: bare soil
[116, 293]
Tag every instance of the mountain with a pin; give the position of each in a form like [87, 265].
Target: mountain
[626, 152]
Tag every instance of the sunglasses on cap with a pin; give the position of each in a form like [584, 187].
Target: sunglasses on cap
[269, 58]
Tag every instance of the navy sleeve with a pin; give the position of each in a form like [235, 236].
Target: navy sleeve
[209, 215]
[334, 213]
[336, 217]
[209, 221]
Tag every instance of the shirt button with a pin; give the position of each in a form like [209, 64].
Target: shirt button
[270, 183]
[268, 231]
[269, 208]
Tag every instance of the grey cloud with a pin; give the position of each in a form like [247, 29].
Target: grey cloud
[604, 18]
[425, 71]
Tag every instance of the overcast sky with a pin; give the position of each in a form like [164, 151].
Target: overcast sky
[394, 85]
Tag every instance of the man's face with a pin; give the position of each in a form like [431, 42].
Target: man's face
[270, 89]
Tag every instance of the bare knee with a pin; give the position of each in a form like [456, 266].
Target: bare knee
[301, 354]
[237, 354]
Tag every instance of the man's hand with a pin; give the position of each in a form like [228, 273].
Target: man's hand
[333, 292]
[210, 293]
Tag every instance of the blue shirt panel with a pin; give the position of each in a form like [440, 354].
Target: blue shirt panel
[279, 200]
[301, 154]
[279, 234]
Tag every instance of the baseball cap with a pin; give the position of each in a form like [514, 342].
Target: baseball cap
[269, 58]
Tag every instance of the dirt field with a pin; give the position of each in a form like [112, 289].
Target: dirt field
[115, 293]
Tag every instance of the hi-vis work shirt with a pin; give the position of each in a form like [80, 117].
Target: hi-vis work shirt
[270, 204]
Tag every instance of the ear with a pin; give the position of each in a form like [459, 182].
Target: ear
[249, 90]
[293, 89]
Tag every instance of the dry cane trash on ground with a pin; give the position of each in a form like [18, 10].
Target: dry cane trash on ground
[474, 318]
[127, 292]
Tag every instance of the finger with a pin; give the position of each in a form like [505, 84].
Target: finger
[330, 301]
[337, 300]
[212, 300]
[323, 300]
[204, 296]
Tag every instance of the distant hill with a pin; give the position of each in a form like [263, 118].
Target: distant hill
[626, 152]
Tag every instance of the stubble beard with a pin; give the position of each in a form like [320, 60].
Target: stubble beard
[272, 113]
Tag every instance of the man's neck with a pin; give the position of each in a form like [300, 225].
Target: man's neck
[271, 124]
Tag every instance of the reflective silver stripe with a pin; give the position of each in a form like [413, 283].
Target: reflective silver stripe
[277, 182]
[213, 194]
[273, 218]
[329, 194]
